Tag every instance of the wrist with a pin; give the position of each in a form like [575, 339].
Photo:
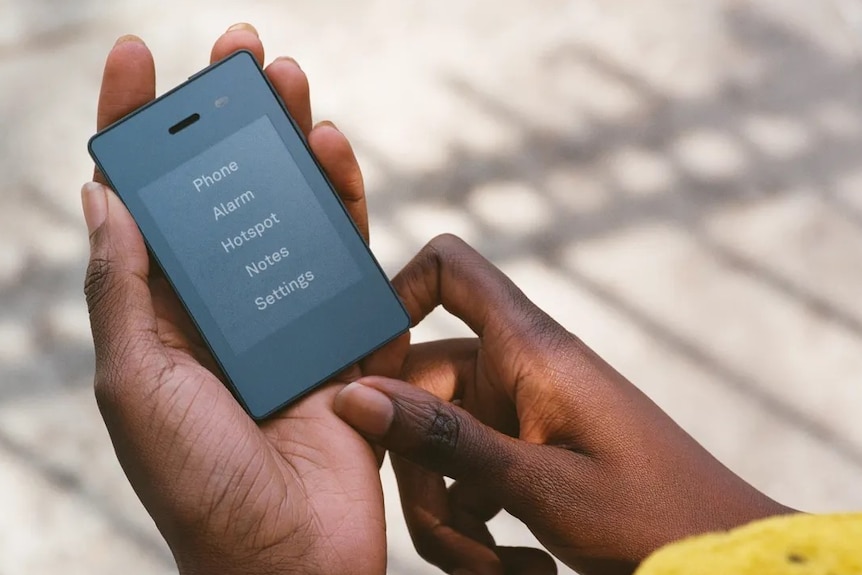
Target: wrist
[714, 507]
[712, 498]
[747, 507]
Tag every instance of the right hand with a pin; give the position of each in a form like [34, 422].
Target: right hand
[544, 428]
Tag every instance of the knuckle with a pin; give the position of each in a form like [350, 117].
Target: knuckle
[438, 431]
[128, 370]
[103, 390]
[444, 251]
[444, 430]
[108, 389]
[112, 367]
[103, 289]
[533, 329]
[455, 259]
[447, 243]
[97, 280]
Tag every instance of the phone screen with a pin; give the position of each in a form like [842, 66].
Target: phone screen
[250, 234]
[255, 243]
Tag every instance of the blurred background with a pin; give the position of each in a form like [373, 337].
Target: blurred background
[679, 182]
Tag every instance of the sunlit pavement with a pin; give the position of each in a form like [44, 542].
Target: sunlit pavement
[679, 183]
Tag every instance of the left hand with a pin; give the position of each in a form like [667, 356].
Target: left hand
[298, 493]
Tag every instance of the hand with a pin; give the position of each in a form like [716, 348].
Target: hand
[543, 428]
[299, 493]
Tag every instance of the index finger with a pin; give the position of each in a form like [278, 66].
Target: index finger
[128, 82]
[450, 273]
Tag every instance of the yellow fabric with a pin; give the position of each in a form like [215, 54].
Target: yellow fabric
[791, 544]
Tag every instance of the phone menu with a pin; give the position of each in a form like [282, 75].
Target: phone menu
[251, 235]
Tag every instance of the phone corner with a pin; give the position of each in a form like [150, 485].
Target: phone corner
[244, 52]
[91, 145]
[406, 322]
[258, 415]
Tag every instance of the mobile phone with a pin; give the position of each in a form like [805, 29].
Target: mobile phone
[250, 234]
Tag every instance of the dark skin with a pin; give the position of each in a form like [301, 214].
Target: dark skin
[544, 428]
[298, 494]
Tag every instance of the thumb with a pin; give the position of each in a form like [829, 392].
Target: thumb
[118, 296]
[438, 436]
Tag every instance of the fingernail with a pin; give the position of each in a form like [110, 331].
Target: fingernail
[128, 38]
[244, 26]
[94, 200]
[366, 409]
[326, 123]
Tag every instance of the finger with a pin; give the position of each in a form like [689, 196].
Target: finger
[437, 367]
[526, 561]
[291, 83]
[447, 368]
[241, 36]
[441, 367]
[450, 273]
[471, 507]
[423, 493]
[337, 159]
[428, 506]
[453, 534]
[444, 438]
[436, 539]
[386, 362]
[118, 297]
[413, 423]
[128, 82]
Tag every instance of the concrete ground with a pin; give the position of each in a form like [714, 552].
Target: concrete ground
[678, 182]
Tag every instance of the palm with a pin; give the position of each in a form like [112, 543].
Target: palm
[305, 464]
[335, 474]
